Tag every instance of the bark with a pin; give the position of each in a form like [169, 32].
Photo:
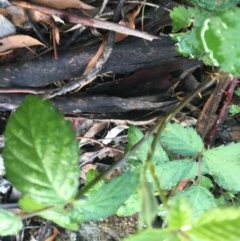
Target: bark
[99, 106]
[128, 56]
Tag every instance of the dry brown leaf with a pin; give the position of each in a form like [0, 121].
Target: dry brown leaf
[95, 58]
[53, 235]
[18, 41]
[44, 18]
[93, 130]
[60, 4]
[128, 21]
[15, 14]
[39, 17]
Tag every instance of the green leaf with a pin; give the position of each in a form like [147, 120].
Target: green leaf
[197, 168]
[140, 156]
[190, 44]
[131, 206]
[234, 109]
[92, 174]
[181, 140]
[182, 17]
[223, 163]
[106, 201]
[213, 39]
[199, 198]
[41, 154]
[30, 205]
[171, 173]
[219, 36]
[237, 92]
[215, 6]
[152, 235]
[206, 182]
[10, 223]
[180, 213]
[61, 215]
[217, 225]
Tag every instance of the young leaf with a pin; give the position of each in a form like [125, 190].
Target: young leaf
[41, 153]
[199, 198]
[140, 156]
[180, 213]
[223, 163]
[180, 140]
[217, 225]
[171, 173]
[182, 17]
[108, 198]
[10, 223]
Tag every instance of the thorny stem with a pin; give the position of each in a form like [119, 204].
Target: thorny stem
[158, 128]
[221, 116]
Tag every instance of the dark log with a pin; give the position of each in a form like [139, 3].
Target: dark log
[128, 56]
[99, 106]
[148, 81]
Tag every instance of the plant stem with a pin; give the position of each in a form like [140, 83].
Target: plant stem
[158, 128]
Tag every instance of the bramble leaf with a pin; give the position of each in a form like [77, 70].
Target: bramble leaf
[213, 39]
[217, 225]
[234, 109]
[140, 156]
[182, 17]
[181, 140]
[10, 223]
[108, 198]
[237, 91]
[219, 36]
[131, 206]
[223, 163]
[58, 214]
[63, 216]
[90, 176]
[199, 198]
[172, 172]
[41, 153]
[189, 42]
